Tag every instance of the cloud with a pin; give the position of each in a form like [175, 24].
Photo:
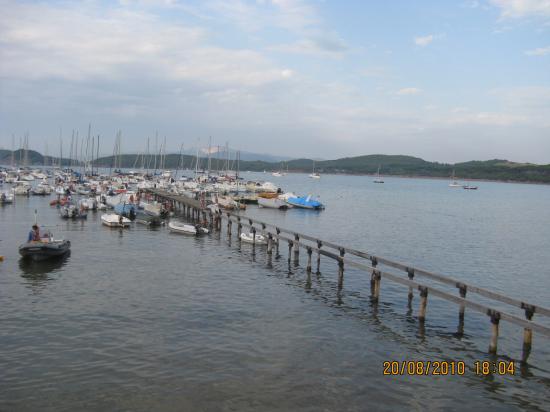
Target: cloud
[408, 91]
[541, 51]
[322, 44]
[522, 8]
[424, 40]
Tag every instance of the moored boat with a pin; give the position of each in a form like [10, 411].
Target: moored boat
[114, 220]
[305, 203]
[178, 227]
[273, 203]
[251, 238]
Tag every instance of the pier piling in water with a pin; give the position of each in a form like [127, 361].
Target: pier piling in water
[495, 320]
[423, 303]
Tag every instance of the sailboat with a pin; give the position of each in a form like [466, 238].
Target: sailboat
[454, 182]
[378, 179]
[314, 175]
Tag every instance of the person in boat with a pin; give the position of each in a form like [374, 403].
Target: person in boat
[34, 234]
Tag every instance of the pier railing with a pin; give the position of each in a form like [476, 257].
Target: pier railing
[342, 256]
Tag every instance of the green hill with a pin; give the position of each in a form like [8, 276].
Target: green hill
[390, 165]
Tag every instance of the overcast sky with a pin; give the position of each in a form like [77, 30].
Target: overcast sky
[443, 80]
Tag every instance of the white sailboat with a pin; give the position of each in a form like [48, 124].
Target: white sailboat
[378, 179]
[454, 182]
[314, 175]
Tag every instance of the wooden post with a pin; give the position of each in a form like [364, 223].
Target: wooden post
[374, 262]
[376, 289]
[239, 227]
[319, 246]
[527, 334]
[296, 249]
[277, 243]
[423, 303]
[253, 237]
[228, 224]
[495, 319]
[290, 244]
[269, 244]
[410, 274]
[309, 252]
[341, 269]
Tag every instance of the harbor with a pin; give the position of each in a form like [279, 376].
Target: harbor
[352, 297]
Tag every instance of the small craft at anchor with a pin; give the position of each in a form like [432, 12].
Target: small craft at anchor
[42, 247]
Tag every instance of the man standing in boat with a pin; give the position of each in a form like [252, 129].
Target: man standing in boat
[34, 234]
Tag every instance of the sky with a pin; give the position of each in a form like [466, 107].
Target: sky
[447, 81]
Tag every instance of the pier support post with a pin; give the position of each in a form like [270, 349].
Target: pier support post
[290, 244]
[269, 244]
[319, 246]
[341, 268]
[495, 319]
[373, 262]
[277, 242]
[462, 290]
[229, 222]
[410, 274]
[376, 288]
[296, 249]
[309, 252]
[527, 334]
[423, 303]
[239, 227]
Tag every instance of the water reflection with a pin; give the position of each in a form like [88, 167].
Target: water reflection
[40, 269]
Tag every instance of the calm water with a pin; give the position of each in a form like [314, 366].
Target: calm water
[143, 319]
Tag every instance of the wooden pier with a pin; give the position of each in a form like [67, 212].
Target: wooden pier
[410, 277]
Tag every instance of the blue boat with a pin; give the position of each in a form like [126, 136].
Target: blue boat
[305, 203]
[127, 210]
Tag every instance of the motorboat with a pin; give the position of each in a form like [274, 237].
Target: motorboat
[42, 189]
[469, 187]
[46, 248]
[305, 203]
[147, 219]
[6, 198]
[22, 188]
[255, 239]
[273, 203]
[70, 211]
[183, 228]
[114, 220]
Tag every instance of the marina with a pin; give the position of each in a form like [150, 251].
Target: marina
[336, 273]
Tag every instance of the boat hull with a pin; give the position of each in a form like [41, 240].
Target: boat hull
[38, 251]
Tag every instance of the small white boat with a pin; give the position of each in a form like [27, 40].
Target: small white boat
[178, 227]
[276, 174]
[469, 187]
[273, 203]
[249, 238]
[114, 220]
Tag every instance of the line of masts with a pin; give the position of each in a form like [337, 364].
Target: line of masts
[84, 154]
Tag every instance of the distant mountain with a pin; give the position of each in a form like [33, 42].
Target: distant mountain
[33, 158]
[390, 165]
